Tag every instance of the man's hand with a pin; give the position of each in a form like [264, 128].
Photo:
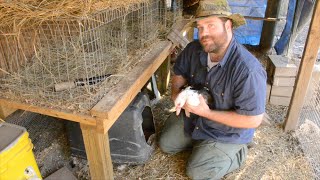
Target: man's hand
[229, 118]
[200, 109]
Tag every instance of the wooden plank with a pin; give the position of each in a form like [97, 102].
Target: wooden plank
[98, 153]
[283, 81]
[268, 92]
[5, 111]
[305, 71]
[163, 74]
[281, 66]
[280, 100]
[85, 119]
[114, 103]
[281, 91]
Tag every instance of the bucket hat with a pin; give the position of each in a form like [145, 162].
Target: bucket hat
[218, 8]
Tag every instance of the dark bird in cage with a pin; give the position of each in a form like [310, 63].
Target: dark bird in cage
[80, 82]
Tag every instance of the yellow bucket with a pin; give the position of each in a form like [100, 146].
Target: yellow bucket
[17, 161]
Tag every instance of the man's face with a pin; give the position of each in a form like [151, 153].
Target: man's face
[212, 33]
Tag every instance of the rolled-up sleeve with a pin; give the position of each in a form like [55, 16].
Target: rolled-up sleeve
[182, 64]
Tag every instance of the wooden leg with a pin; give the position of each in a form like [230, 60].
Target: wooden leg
[5, 111]
[98, 153]
[164, 76]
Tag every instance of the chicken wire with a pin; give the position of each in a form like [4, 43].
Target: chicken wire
[308, 132]
[95, 50]
[170, 12]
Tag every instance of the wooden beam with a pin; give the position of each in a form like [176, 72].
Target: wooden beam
[268, 28]
[264, 18]
[98, 153]
[305, 71]
[114, 103]
[84, 119]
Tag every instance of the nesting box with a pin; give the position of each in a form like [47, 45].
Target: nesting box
[131, 137]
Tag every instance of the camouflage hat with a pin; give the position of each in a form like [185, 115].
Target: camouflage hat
[218, 8]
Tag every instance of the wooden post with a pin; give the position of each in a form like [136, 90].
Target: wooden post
[98, 153]
[305, 71]
[5, 111]
[164, 76]
[268, 29]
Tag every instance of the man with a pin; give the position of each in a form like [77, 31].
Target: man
[217, 133]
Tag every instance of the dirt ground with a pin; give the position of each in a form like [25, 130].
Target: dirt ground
[274, 154]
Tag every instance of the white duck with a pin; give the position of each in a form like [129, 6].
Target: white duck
[189, 96]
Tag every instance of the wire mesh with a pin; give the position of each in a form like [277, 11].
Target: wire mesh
[308, 132]
[77, 54]
[170, 12]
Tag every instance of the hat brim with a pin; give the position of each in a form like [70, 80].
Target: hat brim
[237, 19]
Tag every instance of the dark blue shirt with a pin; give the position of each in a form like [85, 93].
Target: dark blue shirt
[237, 83]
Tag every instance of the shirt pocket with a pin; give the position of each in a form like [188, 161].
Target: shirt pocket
[218, 93]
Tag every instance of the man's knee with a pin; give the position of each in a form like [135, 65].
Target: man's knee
[210, 160]
[166, 146]
[172, 138]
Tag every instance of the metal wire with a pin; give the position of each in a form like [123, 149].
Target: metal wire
[110, 41]
[308, 132]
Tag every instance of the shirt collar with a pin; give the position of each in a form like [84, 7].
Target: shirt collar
[204, 55]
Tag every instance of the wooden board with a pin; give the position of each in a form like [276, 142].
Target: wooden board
[85, 119]
[279, 65]
[305, 71]
[281, 91]
[114, 103]
[280, 100]
[283, 81]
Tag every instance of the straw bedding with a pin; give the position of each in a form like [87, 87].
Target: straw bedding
[19, 13]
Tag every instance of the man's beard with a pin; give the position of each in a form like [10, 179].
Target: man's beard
[213, 47]
[217, 44]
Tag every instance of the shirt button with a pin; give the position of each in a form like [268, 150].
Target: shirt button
[222, 94]
[192, 75]
[197, 127]
[206, 83]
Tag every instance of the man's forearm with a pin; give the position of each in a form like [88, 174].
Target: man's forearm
[177, 84]
[233, 119]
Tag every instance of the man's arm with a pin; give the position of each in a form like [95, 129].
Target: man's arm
[177, 84]
[229, 118]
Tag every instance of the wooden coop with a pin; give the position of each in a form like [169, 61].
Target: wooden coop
[70, 63]
[85, 65]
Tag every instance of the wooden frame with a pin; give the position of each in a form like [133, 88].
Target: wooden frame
[305, 71]
[95, 127]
